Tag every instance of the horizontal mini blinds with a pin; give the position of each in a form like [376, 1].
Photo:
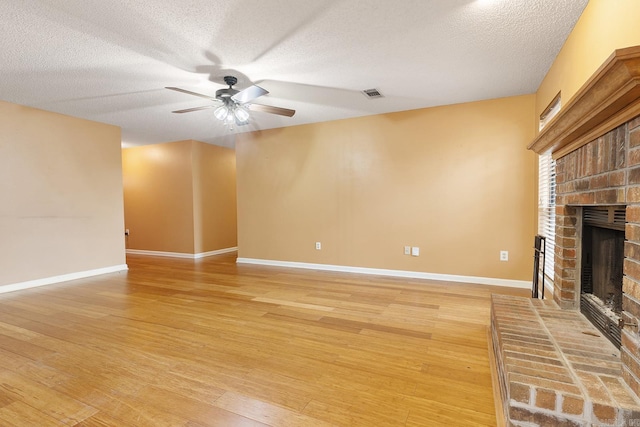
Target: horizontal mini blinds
[547, 207]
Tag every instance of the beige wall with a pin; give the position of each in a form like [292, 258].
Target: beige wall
[605, 25]
[180, 197]
[61, 191]
[158, 197]
[214, 204]
[457, 181]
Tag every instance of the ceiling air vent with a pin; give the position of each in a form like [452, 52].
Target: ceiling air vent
[372, 93]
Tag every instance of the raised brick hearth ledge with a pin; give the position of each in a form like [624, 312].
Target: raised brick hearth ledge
[555, 369]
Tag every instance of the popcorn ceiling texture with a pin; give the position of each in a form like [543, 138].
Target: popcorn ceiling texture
[109, 61]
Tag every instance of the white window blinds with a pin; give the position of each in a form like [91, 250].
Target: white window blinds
[547, 207]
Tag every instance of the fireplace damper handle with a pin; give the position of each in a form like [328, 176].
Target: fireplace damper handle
[622, 323]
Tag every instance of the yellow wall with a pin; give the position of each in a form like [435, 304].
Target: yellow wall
[61, 191]
[605, 25]
[180, 197]
[456, 181]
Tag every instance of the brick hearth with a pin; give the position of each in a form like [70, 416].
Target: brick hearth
[556, 369]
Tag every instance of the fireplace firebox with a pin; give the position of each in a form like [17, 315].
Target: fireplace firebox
[601, 268]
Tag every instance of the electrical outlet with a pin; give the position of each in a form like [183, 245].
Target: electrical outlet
[126, 232]
[318, 246]
[415, 251]
[407, 250]
[504, 255]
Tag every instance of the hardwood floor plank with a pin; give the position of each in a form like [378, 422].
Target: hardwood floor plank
[277, 388]
[376, 327]
[280, 302]
[120, 407]
[104, 420]
[63, 408]
[436, 413]
[19, 414]
[23, 347]
[200, 412]
[467, 394]
[352, 412]
[178, 342]
[265, 412]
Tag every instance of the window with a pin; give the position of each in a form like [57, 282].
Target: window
[547, 193]
[547, 208]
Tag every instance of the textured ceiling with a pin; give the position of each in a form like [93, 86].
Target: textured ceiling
[109, 60]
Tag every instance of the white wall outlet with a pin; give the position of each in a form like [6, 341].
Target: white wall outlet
[504, 255]
[407, 250]
[318, 246]
[415, 251]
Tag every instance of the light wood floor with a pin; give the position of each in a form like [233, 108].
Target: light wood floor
[208, 343]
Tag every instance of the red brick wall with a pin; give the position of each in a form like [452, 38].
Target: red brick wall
[594, 174]
[604, 172]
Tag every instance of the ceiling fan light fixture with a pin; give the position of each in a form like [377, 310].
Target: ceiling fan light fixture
[234, 105]
[221, 112]
[241, 114]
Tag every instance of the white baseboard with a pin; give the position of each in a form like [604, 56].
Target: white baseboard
[63, 278]
[182, 254]
[217, 252]
[394, 273]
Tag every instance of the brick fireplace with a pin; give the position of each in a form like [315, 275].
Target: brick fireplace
[553, 367]
[604, 174]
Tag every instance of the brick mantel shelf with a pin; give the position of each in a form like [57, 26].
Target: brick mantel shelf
[608, 99]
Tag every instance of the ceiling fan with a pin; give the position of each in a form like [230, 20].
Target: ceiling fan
[232, 106]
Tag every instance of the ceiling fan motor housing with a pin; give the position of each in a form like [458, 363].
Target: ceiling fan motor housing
[222, 94]
[230, 80]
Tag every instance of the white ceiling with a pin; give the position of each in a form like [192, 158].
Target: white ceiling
[109, 60]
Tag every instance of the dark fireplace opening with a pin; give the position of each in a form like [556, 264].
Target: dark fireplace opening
[602, 264]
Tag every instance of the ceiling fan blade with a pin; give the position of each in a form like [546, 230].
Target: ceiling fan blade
[249, 94]
[188, 110]
[272, 110]
[188, 92]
